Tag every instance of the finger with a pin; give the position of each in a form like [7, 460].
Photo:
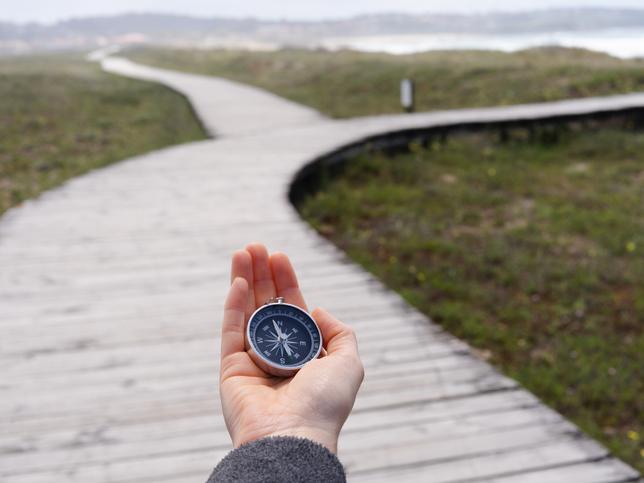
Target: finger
[242, 266]
[285, 280]
[232, 327]
[338, 338]
[263, 284]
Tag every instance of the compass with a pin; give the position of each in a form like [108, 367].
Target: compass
[282, 337]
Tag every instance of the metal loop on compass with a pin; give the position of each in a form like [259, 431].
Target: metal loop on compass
[275, 300]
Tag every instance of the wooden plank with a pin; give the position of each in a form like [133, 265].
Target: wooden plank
[205, 369]
[336, 294]
[438, 410]
[102, 336]
[191, 350]
[433, 384]
[609, 470]
[414, 372]
[539, 453]
[494, 405]
[95, 450]
[425, 450]
[484, 467]
[166, 424]
[74, 318]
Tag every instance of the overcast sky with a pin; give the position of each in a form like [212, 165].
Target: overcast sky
[52, 10]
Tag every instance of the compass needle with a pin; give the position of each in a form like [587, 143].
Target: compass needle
[273, 334]
[275, 346]
[288, 350]
[277, 329]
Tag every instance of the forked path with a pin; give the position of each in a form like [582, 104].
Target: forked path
[110, 298]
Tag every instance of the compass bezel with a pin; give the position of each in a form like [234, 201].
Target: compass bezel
[257, 352]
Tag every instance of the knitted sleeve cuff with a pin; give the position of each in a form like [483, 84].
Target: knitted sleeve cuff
[279, 459]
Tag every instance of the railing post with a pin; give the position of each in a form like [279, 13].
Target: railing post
[407, 95]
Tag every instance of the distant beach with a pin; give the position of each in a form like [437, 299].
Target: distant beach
[624, 43]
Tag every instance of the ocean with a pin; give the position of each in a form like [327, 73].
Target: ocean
[624, 43]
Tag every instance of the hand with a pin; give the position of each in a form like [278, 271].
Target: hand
[313, 404]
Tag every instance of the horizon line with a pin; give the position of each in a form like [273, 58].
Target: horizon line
[321, 19]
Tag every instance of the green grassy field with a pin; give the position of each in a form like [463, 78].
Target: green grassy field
[61, 117]
[346, 84]
[533, 252]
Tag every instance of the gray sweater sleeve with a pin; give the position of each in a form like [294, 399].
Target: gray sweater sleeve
[279, 459]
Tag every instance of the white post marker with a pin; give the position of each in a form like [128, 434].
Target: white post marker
[407, 95]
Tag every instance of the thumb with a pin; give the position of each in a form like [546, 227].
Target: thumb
[338, 338]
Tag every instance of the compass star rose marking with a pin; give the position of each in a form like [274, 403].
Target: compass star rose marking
[281, 341]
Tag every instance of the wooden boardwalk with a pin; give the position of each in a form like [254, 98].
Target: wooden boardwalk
[111, 290]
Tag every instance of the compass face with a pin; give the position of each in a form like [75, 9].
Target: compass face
[284, 335]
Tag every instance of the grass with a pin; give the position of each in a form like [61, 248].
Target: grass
[346, 84]
[531, 251]
[62, 116]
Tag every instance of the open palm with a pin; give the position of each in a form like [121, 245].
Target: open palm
[313, 404]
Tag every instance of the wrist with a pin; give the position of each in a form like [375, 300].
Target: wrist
[328, 439]
[323, 436]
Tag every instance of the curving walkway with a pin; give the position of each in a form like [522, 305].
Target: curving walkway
[111, 289]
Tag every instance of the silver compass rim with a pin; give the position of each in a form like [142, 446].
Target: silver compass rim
[268, 361]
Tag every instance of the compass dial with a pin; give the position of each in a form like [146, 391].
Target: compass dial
[284, 336]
